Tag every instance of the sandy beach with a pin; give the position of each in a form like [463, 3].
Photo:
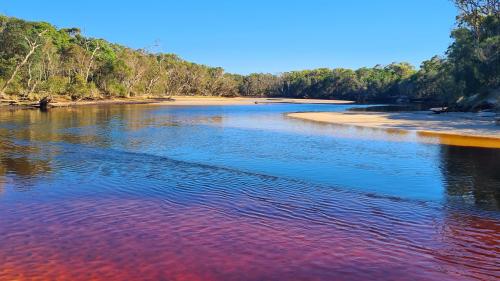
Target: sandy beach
[454, 128]
[183, 101]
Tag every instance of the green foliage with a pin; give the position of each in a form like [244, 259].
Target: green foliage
[15, 89]
[116, 89]
[55, 85]
[476, 60]
[80, 89]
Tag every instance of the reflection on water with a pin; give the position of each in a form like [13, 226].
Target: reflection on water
[138, 192]
[472, 175]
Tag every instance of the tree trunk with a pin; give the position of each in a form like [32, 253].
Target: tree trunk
[91, 61]
[16, 70]
[33, 45]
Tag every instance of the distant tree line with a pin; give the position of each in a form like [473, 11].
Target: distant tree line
[37, 60]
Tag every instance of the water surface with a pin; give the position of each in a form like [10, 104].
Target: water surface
[143, 192]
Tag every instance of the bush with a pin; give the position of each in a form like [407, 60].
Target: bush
[14, 89]
[55, 85]
[115, 89]
[80, 89]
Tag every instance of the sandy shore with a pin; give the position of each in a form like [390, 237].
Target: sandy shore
[465, 129]
[187, 101]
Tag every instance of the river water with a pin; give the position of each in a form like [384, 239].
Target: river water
[148, 192]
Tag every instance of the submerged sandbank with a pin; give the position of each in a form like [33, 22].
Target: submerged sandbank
[197, 100]
[462, 129]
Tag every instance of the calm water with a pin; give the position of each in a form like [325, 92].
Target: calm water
[143, 192]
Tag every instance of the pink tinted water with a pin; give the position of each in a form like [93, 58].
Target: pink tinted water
[137, 239]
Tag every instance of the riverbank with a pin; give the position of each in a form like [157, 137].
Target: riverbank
[454, 128]
[179, 101]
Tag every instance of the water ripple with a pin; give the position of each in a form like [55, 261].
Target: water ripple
[101, 202]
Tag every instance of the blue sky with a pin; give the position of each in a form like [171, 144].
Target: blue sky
[261, 36]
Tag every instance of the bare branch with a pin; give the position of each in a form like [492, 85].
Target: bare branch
[33, 46]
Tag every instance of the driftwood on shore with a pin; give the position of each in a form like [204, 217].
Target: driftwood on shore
[44, 103]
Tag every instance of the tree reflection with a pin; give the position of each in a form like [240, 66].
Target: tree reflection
[23, 163]
[472, 175]
[29, 138]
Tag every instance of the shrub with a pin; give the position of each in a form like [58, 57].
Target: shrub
[115, 89]
[55, 85]
[80, 89]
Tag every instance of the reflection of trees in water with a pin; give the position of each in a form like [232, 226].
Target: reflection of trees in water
[471, 242]
[472, 175]
[28, 162]
[469, 239]
[98, 126]
[78, 125]
[24, 166]
[51, 126]
[21, 161]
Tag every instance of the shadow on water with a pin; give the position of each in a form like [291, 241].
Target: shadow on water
[472, 176]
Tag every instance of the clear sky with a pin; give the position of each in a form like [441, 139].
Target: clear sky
[273, 36]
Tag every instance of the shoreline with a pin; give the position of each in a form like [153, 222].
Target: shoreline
[176, 101]
[454, 128]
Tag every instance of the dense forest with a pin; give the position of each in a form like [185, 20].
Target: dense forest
[39, 60]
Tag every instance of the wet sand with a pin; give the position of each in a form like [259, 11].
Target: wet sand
[454, 128]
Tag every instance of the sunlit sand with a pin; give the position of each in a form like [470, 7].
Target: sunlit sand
[462, 129]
